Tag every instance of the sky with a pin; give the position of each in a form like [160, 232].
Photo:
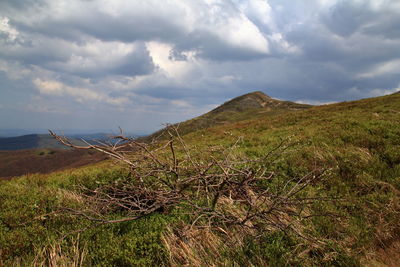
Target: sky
[100, 64]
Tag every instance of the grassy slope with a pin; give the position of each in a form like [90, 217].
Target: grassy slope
[359, 141]
[249, 106]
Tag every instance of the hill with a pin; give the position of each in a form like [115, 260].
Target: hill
[41, 153]
[42, 141]
[31, 141]
[352, 217]
[91, 137]
[248, 106]
[28, 162]
[18, 132]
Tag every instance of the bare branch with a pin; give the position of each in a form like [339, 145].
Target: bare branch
[225, 189]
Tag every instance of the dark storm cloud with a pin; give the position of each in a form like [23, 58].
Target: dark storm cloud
[164, 58]
[346, 17]
[60, 55]
[137, 63]
[105, 27]
[146, 23]
[18, 5]
[38, 53]
[337, 47]
[211, 47]
[389, 27]
[134, 63]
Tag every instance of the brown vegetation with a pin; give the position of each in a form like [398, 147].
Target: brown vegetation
[226, 190]
[22, 162]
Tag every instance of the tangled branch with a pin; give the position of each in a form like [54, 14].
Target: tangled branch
[217, 188]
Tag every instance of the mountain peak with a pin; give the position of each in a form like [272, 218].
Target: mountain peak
[244, 107]
[257, 94]
[251, 100]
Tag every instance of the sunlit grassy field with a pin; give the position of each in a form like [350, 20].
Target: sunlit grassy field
[358, 143]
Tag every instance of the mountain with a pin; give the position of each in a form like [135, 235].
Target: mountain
[91, 137]
[19, 132]
[352, 217]
[38, 141]
[31, 141]
[255, 100]
[23, 162]
[248, 106]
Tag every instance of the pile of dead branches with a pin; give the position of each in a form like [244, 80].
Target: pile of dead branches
[217, 187]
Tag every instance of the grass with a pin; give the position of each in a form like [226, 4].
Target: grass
[358, 141]
[45, 152]
[249, 106]
[27, 228]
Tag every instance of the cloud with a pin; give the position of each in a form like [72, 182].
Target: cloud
[50, 87]
[82, 95]
[96, 58]
[90, 59]
[9, 33]
[346, 17]
[380, 92]
[368, 17]
[180, 103]
[168, 62]
[206, 27]
[391, 67]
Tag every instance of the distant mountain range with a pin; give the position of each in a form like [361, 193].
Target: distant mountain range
[31, 141]
[39, 141]
[19, 132]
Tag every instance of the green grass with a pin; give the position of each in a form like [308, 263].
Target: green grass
[358, 141]
[44, 152]
[27, 225]
[249, 106]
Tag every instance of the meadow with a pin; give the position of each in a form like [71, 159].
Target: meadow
[351, 217]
